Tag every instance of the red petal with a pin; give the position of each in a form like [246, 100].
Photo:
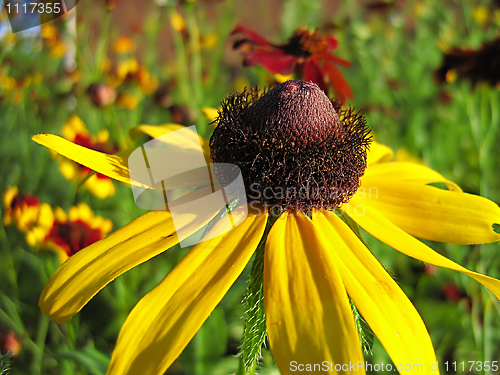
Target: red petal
[313, 73]
[276, 61]
[339, 61]
[332, 42]
[340, 85]
[252, 35]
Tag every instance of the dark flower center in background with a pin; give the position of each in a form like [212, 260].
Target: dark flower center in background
[303, 43]
[73, 236]
[295, 147]
[25, 199]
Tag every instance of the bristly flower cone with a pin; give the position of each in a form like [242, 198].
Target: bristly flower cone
[296, 148]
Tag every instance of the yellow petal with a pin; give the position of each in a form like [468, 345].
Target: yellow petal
[379, 153]
[88, 271]
[183, 140]
[379, 226]
[384, 306]
[8, 196]
[165, 320]
[116, 166]
[403, 171]
[210, 113]
[308, 315]
[112, 166]
[434, 214]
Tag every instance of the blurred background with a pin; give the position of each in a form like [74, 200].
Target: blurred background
[425, 74]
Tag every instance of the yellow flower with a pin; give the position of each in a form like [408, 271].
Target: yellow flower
[480, 14]
[209, 41]
[53, 40]
[131, 71]
[126, 67]
[128, 101]
[75, 131]
[68, 234]
[147, 83]
[7, 83]
[312, 261]
[178, 22]
[124, 45]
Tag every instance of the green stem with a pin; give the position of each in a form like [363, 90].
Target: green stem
[181, 64]
[102, 44]
[226, 23]
[41, 336]
[194, 53]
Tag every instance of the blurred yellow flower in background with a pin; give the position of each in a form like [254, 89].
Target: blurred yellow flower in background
[124, 45]
[53, 40]
[20, 209]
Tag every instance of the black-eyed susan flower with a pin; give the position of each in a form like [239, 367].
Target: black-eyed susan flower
[307, 54]
[66, 234]
[98, 184]
[304, 160]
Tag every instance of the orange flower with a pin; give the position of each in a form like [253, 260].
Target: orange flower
[307, 54]
[124, 45]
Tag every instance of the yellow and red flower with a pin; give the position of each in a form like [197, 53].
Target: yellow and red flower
[20, 209]
[308, 54]
[68, 234]
[76, 132]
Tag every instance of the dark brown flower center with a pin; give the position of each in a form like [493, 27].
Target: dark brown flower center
[303, 43]
[294, 146]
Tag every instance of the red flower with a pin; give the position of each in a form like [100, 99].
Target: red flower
[307, 54]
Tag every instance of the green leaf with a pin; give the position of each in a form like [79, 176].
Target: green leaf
[5, 363]
[255, 330]
[366, 335]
